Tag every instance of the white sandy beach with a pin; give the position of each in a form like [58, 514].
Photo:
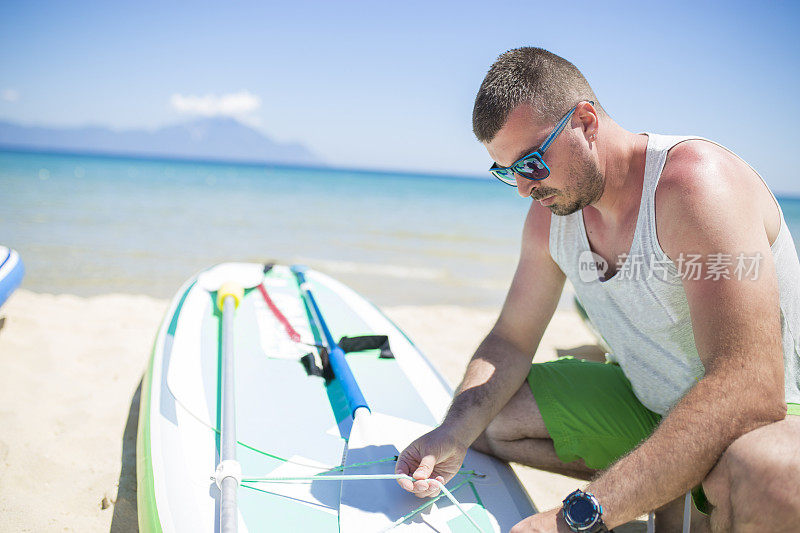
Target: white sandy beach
[71, 369]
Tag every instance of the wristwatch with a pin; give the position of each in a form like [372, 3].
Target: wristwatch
[583, 513]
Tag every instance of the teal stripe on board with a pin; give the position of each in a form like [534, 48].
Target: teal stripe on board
[460, 524]
[338, 401]
[174, 322]
[269, 512]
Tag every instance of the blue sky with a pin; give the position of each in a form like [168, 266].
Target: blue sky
[390, 84]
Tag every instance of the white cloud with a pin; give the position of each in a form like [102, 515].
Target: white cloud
[10, 95]
[211, 105]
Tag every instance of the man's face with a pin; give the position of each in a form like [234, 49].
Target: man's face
[575, 180]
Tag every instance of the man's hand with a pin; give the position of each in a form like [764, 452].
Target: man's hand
[546, 522]
[436, 455]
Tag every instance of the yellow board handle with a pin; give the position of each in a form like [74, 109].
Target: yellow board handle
[230, 288]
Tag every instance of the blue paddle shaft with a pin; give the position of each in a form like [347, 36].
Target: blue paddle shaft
[339, 365]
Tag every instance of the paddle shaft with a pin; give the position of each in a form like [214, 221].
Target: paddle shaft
[229, 516]
[339, 365]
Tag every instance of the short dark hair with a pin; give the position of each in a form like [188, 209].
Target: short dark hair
[549, 83]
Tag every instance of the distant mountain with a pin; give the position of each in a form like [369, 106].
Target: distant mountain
[211, 138]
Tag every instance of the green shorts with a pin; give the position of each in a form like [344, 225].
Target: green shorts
[590, 410]
[591, 413]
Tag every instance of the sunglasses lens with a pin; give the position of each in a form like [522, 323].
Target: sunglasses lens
[532, 168]
[506, 175]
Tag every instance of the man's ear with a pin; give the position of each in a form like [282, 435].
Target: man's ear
[589, 118]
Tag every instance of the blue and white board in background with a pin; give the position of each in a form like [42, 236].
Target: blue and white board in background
[11, 272]
[292, 423]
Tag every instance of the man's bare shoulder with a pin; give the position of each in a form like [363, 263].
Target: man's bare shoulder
[706, 192]
[698, 167]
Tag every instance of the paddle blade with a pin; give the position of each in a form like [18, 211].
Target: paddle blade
[247, 275]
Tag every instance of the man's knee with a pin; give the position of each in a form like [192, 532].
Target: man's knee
[764, 474]
[757, 478]
[498, 431]
[519, 419]
[494, 432]
[482, 444]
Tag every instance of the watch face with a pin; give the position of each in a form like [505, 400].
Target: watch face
[582, 511]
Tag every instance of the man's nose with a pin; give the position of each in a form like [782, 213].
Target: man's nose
[524, 186]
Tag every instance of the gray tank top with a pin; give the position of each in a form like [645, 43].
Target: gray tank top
[642, 312]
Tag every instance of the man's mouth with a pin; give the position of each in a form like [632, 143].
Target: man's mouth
[545, 200]
[540, 197]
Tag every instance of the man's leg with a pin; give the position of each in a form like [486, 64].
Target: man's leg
[670, 517]
[755, 486]
[518, 434]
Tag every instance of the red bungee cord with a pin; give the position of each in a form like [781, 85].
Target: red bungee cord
[277, 312]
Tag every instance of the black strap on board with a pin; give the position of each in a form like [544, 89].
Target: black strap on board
[310, 364]
[367, 342]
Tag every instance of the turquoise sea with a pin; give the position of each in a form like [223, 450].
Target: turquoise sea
[92, 225]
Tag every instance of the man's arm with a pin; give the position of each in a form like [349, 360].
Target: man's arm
[500, 364]
[502, 361]
[708, 205]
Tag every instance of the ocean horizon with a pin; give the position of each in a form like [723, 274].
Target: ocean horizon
[89, 224]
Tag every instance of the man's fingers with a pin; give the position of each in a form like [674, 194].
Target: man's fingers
[422, 473]
[406, 484]
[402, 467]
[425, 467]
[431, 490]
[421, 486]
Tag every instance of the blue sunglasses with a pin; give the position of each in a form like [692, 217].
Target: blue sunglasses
[532, 166]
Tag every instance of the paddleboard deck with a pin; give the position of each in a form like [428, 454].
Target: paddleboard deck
[292, 422]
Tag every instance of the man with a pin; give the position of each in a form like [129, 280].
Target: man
[681, 257]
